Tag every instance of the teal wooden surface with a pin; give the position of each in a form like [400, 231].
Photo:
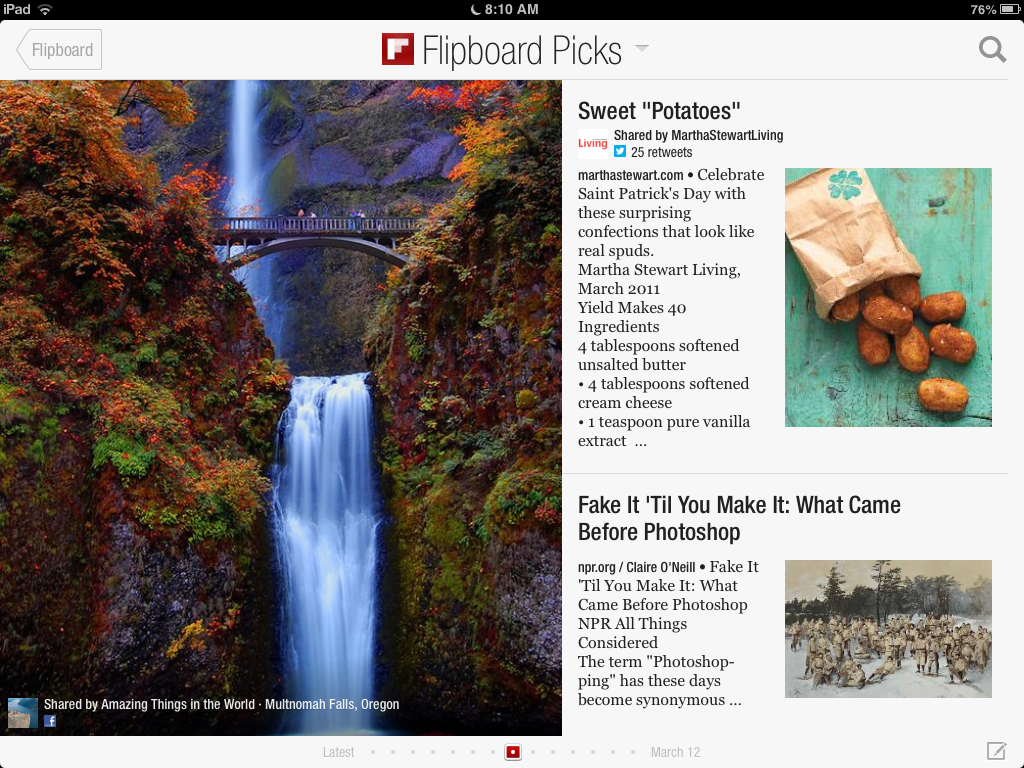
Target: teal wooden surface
[944, 215]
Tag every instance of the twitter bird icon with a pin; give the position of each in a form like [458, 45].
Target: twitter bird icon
[620, 150]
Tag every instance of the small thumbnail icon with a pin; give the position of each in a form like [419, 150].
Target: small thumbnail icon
[22, 712]
[513, 752]
[49, 721]
[620, 150]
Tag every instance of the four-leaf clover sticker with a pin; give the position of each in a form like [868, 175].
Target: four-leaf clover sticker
[845, 183]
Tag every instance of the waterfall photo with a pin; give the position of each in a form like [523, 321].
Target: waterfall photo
[280, 406]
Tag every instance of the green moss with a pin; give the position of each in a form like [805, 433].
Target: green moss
[281, 181]
[12, 406]
[525, 400]
[416, 345]
[518, 493]
[36, 453]
[146, 353]
[282, 120]
[15, 221]
[130, 458]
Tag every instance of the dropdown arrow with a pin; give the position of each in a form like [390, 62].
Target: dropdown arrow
[642, 48]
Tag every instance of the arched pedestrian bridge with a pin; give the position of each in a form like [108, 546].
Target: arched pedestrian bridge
[263, 235]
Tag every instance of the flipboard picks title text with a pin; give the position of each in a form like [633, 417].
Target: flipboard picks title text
[563, 49]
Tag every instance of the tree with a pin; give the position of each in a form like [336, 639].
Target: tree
[473, 98]
[103, 262]
[980, 596]
[878, 571]
[860, 600]
[920, 594]
[889, 592]
[944, 587]
[894, 591]
[129, 97]
[832, 590]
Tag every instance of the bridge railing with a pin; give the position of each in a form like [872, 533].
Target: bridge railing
[306, 225]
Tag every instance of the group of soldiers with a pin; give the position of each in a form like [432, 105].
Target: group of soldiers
[836, 648]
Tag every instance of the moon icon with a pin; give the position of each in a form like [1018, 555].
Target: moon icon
[474, 10]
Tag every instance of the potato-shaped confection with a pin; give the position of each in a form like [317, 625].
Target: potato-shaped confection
[943, 395]
[873, 344]
[905, 290]
[943, 307]
[888, 315]
[875, 289]
[912, 350]
[846, 309]
[952, 343]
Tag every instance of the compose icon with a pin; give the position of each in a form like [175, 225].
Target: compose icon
[996, 750]
[398, 48]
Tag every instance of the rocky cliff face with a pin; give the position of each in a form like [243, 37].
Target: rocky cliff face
[138, 402]
[466, 352]
[329, 147]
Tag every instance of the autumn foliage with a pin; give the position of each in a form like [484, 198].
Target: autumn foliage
[466, 351]
[474, 98]
[116, 320]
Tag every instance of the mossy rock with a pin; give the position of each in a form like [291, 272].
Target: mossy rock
[283, 121]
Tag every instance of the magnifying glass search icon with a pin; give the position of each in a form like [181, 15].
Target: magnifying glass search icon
[996, 52]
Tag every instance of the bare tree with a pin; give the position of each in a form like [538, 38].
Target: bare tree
[878, 571]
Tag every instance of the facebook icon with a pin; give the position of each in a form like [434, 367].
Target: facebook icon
[49, 721]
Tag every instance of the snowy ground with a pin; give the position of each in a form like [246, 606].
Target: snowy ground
[905, 683]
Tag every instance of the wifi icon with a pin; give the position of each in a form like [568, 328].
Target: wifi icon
[44, 9]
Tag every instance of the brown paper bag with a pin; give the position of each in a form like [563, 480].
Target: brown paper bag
[842, 235]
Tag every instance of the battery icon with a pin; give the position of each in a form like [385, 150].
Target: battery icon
[1011, 8]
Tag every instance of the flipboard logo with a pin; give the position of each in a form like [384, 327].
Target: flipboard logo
[397, 48]
[592, 144]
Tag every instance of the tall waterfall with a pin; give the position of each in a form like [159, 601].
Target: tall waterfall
[325, 502]
[326, 518]
[246, 168]
[244, 148]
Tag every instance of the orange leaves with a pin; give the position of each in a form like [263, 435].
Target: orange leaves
[487, 144]
[472, 97]
[114, 318]
[493, 113]
[483, 104]
[60, 134]
[441, 98]
[128, 98]
[65, 129]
